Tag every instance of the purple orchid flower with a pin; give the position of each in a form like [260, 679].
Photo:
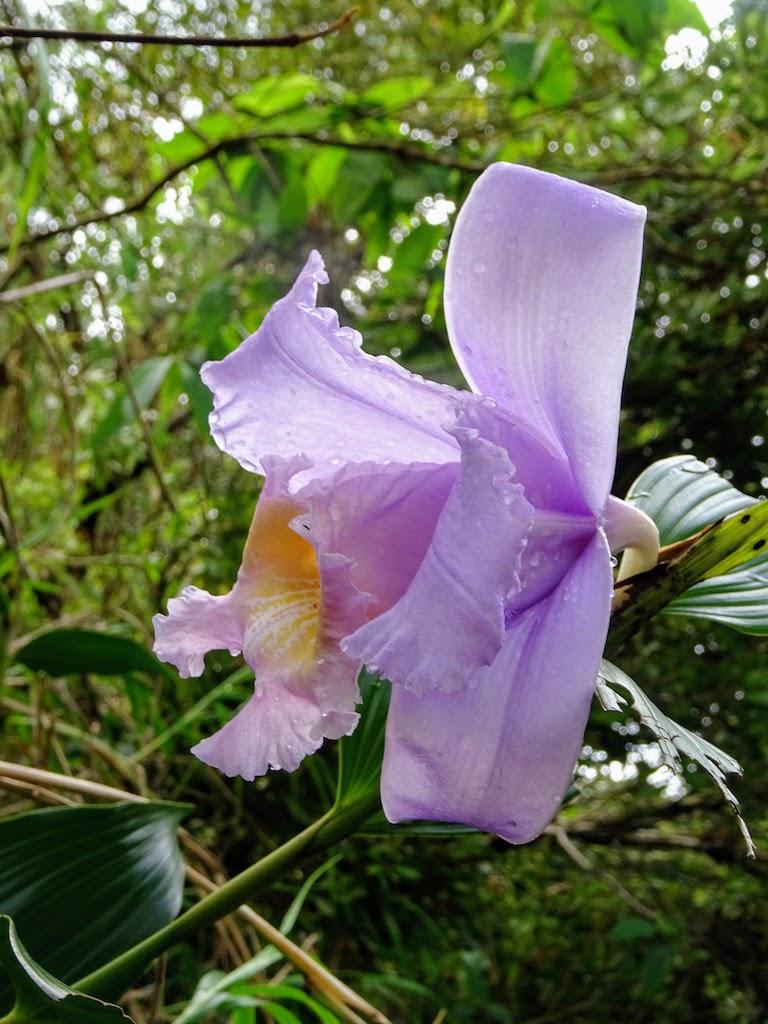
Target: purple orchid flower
[475, 528]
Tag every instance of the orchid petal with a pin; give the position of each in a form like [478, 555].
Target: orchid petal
[451, 620]
[499, 754]
[382, 518]
[301, 385]
[291, 605]
[632, 531]
[274, 729]
[541, 283]
[197, 622]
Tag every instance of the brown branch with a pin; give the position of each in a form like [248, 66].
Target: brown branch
[46, 285]
[224, 145]
[290, 40]
[567, 845]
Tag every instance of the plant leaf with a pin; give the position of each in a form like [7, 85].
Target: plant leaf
[738, 599]
[39, 997]
[672, 738]
[60, 652]
[84, 884]
[146, 380]
[683, 495]
[361, 754]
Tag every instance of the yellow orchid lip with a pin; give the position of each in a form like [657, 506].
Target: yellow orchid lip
[281, 592]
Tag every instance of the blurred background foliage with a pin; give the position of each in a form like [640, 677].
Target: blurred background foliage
[154, 201]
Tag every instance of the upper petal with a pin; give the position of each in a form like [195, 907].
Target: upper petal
[541, 284]
[499, 755]
[301, 385]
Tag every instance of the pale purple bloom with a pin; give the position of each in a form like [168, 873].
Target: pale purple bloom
[287, 612]
[479, 525]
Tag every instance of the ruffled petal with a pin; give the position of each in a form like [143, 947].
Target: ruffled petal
[499, 755]
[276, 728]
[291, 605]
[196, 623]
[541, 284]
[450, 622]
[301, 385]
[382, 518]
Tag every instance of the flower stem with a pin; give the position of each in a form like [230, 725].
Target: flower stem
[341, 821]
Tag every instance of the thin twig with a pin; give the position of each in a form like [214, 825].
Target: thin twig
[143, 38]
[565, 843]
[46, 285]
[125, 372]
[404, 151]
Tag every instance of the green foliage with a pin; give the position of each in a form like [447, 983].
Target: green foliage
[683, 496]
[83, 884]
[195, 181]
[38, 997]
[60, 652]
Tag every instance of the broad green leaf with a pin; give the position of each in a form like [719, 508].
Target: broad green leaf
[556, 82]
[322, 173]
[84, 884]
[213, 309]
[679, 14]
[309, 118]
[200, 398]
[359, 175]
[635, 28]
[683, 495]
[271, 95]
[738, 599]
[523, 58]
[396, 92]
[672, 738]
[61, 652]
[411, 255]
[39, 998]
[146, 380]
[361, 754]
[628, 929]
[292, 204]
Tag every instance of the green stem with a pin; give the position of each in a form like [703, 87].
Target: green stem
[113, 978]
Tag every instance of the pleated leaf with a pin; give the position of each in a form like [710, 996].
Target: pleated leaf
[38, 997]
[682, 496]
[84, 884]
[361, 754]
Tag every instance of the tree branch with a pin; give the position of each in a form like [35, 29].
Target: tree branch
[290, 40]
